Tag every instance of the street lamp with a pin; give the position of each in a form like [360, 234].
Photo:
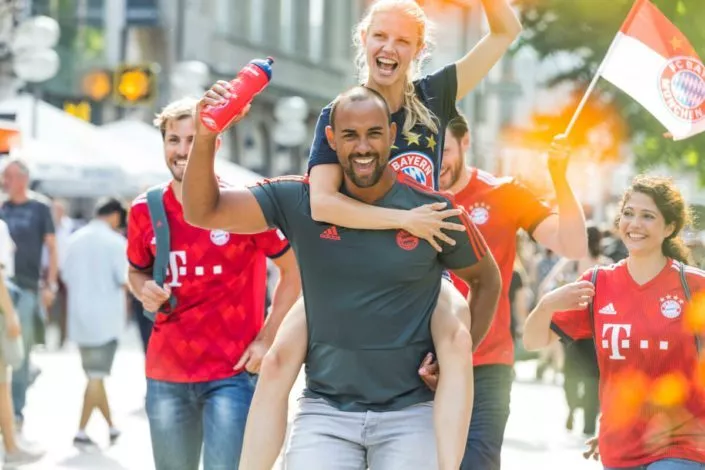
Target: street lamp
[34, 59]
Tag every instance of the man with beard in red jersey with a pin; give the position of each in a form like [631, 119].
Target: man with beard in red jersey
[499, 207]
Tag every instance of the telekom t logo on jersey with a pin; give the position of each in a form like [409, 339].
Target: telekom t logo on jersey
[178, 267]
[177, 260]
[616, 339]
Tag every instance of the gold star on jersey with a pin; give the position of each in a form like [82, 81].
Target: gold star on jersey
[431, 141]
[412, 138]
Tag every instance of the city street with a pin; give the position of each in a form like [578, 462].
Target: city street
[535, 436]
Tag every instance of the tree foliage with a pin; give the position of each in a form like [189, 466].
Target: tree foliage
[584, 29]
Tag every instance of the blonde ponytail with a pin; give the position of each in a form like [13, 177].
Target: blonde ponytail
[415, 111]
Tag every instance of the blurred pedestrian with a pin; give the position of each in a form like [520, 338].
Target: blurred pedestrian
[648, 335]
[202, 353]
[11, 332]
[501, 207]
[94, 270]
[64, 227]
[28, 216]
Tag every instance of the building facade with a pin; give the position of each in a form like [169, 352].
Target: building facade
[311, 41]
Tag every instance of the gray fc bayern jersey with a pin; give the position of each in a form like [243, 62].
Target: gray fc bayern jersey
[369, 295]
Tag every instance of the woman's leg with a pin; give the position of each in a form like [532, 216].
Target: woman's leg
[450, 327]
[267, 419]
[7, 414]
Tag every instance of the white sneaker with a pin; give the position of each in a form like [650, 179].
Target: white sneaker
[21, 457]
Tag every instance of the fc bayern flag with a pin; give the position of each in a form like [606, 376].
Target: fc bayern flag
[654, 63]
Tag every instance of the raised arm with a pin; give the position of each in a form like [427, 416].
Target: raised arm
[476, 64]
[207, 204]
[564, 233]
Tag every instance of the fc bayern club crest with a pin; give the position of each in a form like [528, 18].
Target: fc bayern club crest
[671, 306]
[682, 87]
[415, 164]
[219, 237]
[480, 214]
[406, 241]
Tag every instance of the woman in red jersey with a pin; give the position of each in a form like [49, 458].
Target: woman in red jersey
[647, 333]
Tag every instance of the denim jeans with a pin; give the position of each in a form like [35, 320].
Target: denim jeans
[28, 310]
[185, 417]
[667, 464]
[490, 412]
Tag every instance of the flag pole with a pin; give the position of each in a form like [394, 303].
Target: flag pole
[583, 101]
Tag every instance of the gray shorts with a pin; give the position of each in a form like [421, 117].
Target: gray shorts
[323, 438]
[98, 360]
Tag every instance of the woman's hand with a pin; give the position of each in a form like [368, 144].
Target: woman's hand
[573, 296]
[429, 221]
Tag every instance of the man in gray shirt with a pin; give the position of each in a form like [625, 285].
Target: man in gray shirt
[369, 294]
[28, 216]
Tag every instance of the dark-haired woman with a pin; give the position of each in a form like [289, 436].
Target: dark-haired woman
[652, 388]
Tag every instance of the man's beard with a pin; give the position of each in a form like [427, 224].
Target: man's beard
[365, 181]
[452, 176]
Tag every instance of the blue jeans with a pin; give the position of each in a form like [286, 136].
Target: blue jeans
[185, 417]
[28, 310]
[490, 412]
[667, 464]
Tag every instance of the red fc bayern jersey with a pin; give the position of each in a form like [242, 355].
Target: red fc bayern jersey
[652, 387]
[219, 281]
[499, 207]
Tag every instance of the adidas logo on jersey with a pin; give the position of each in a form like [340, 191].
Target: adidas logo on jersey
[608, 310]
[331, 233]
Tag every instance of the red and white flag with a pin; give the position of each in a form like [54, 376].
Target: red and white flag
[653, 62]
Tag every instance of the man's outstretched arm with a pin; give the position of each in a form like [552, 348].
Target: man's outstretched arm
[207, 204]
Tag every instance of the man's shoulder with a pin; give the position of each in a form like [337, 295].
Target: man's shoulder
[289, 183]
[422, 194]
[140, 202]
[39, 199]
[487, 180]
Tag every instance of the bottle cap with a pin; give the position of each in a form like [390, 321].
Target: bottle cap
[265, 65]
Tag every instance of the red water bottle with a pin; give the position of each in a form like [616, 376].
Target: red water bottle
[249, 82]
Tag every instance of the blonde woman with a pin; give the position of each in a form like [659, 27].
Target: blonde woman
[392, 40]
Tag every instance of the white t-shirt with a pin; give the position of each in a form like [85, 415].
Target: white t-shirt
[7, 251]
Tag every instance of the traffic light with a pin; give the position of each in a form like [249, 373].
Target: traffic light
[135, 85]
[80, 109]
[97, 84]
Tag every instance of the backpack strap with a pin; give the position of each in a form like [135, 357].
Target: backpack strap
[688, 295]
[160, 225]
